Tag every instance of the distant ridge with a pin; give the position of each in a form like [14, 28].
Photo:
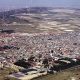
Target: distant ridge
[29, 9]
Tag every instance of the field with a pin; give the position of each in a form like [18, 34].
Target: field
[42, 20]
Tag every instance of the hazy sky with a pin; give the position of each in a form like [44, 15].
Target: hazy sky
[9, 4]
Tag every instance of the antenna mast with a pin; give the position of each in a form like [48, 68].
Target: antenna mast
[29, 5]
[3, 16]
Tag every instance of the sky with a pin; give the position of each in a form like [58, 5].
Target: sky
[11, 4]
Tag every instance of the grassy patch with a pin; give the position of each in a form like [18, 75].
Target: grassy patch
[64, 75]
[4, 72]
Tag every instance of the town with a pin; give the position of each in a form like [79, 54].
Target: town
[34, 55]
[40, 43]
